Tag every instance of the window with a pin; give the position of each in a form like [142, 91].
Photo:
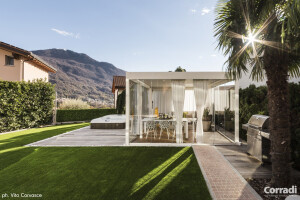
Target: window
[9, 60]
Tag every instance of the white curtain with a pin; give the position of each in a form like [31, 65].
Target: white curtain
[178, 94]
[200, 91]
[145, 101]
[162, 99]
[189, 101]
[225, 99]
[209, 98]
[134, 107]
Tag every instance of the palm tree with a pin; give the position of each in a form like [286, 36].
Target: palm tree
[263, 36]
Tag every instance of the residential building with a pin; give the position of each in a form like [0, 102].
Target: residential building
[17, 64]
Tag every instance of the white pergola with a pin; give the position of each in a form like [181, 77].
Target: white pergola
[198, 81]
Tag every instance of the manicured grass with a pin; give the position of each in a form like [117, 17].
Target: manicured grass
[97, 172]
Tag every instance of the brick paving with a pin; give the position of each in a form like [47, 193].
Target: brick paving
[223, 181]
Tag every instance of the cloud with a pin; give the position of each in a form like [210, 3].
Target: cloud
[205, 11]
[213, 55]
[67, 34]
[193, 11]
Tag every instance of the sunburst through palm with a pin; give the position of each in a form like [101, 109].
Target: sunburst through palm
[252, 38]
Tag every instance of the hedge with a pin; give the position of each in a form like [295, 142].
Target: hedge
[253, 100]
[25, 104]
[82, 114]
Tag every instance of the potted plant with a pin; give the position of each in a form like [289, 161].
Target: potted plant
[206, 119]
[229, 119]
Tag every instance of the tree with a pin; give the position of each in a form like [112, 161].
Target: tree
[121, 102]
[179, 69]
[263, 36]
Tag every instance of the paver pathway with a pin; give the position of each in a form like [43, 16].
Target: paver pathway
[223, 181]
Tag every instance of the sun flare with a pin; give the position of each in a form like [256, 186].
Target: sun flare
[251, 38]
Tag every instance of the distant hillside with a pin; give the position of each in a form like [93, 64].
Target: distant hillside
[80, 76]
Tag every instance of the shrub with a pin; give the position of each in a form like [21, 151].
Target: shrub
[72, 104]
[25, 104]
[121, 102]
[206, 115]
[82, 114]
[253, 100]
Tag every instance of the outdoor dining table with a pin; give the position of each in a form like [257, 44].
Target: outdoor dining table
[185, 120]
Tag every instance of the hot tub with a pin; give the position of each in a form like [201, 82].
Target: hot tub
[109, 122]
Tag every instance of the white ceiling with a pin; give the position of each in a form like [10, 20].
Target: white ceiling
[159, 83]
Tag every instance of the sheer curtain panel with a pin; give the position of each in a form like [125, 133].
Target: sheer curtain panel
[200, 91]
[178, 94]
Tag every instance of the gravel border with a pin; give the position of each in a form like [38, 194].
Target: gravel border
[258, 184]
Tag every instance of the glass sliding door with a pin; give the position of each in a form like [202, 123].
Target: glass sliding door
[224, 120]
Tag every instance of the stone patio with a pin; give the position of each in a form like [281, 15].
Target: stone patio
[223, 181]
[245, 164]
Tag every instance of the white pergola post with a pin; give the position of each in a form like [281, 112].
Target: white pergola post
[213, 108]
[139, 108]
[116, 97]
[127, 134]
[150, 102]
[236, 113]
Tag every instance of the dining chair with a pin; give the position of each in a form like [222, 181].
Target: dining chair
[164, 125]
[150, 126]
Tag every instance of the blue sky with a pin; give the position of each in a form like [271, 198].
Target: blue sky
[134, 35]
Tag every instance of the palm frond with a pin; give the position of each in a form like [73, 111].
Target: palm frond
[277, 24]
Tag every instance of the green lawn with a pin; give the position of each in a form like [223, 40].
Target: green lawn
[96, 172]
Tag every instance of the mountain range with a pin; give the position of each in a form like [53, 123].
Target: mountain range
[80, 76]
